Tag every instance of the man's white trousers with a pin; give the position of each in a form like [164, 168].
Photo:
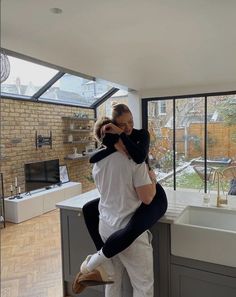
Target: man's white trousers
[137, 259]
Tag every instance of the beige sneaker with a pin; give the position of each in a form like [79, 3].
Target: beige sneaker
[96, 277]
[77, 288]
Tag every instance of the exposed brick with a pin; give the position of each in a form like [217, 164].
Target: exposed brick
[20, 120]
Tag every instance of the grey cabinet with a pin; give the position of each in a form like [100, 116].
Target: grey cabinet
[194, 278]
[76, 245]
[161, 259]
[190, 282]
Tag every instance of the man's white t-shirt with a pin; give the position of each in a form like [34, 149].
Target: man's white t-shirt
[116, 178]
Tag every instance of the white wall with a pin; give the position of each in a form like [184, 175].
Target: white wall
[134, 103]
[187, 90]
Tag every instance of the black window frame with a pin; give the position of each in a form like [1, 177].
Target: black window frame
[174, 98]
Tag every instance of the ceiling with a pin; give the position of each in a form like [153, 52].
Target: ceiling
[142, 44]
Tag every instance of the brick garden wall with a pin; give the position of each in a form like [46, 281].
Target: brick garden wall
[19, 122]
[221, 141]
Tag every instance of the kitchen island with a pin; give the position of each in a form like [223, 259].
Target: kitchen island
[175, 276]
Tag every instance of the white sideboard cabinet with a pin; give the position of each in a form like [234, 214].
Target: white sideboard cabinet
[39, 202]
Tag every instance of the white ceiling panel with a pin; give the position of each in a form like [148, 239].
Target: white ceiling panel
[141, 44]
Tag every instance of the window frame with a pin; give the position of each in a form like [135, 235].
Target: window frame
[174, 98]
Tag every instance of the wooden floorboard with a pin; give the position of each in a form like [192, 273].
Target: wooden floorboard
[31, 258]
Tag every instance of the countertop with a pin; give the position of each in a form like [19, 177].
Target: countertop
[177, 202]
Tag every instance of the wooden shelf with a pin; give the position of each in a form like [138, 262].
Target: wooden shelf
[79, 119]
[78, 158]
[77, 130]
[77, 142]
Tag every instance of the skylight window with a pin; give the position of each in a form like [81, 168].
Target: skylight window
[26, 78]
[29, 80]
[75, 90]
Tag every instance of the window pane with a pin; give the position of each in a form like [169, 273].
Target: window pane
[162, 107]
[76, 90]
[189, 137]
[26, 78]
[160, 127]
[221, 138]
[105, 109]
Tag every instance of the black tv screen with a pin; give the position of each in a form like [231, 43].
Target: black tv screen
[41, 174]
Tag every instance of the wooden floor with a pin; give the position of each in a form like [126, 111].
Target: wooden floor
[31, 258]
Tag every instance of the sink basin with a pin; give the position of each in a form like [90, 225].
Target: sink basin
[213, 218]
[206, 234]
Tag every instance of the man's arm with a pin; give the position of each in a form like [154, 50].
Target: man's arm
[144, 182]
[146, 193]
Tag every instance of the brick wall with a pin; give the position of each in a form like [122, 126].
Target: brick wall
[19, 122]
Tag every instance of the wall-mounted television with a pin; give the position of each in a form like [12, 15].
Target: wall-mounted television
[41, 174]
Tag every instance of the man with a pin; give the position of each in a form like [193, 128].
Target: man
[123, 186]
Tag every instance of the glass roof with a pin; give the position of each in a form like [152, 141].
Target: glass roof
[26, 78]
[76, 90]
[30, 80]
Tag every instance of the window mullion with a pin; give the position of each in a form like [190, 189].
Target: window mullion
[47, 85]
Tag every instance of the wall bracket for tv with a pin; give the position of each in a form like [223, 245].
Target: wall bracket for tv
[43, 140]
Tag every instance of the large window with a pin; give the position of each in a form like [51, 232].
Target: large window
[75, 90]
[194, 138]
[32, 81]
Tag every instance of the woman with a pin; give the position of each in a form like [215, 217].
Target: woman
[136, 143]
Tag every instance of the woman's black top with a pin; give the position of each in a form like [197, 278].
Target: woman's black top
[137, 145]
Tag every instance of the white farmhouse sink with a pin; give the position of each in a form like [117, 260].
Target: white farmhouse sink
[206, 234]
